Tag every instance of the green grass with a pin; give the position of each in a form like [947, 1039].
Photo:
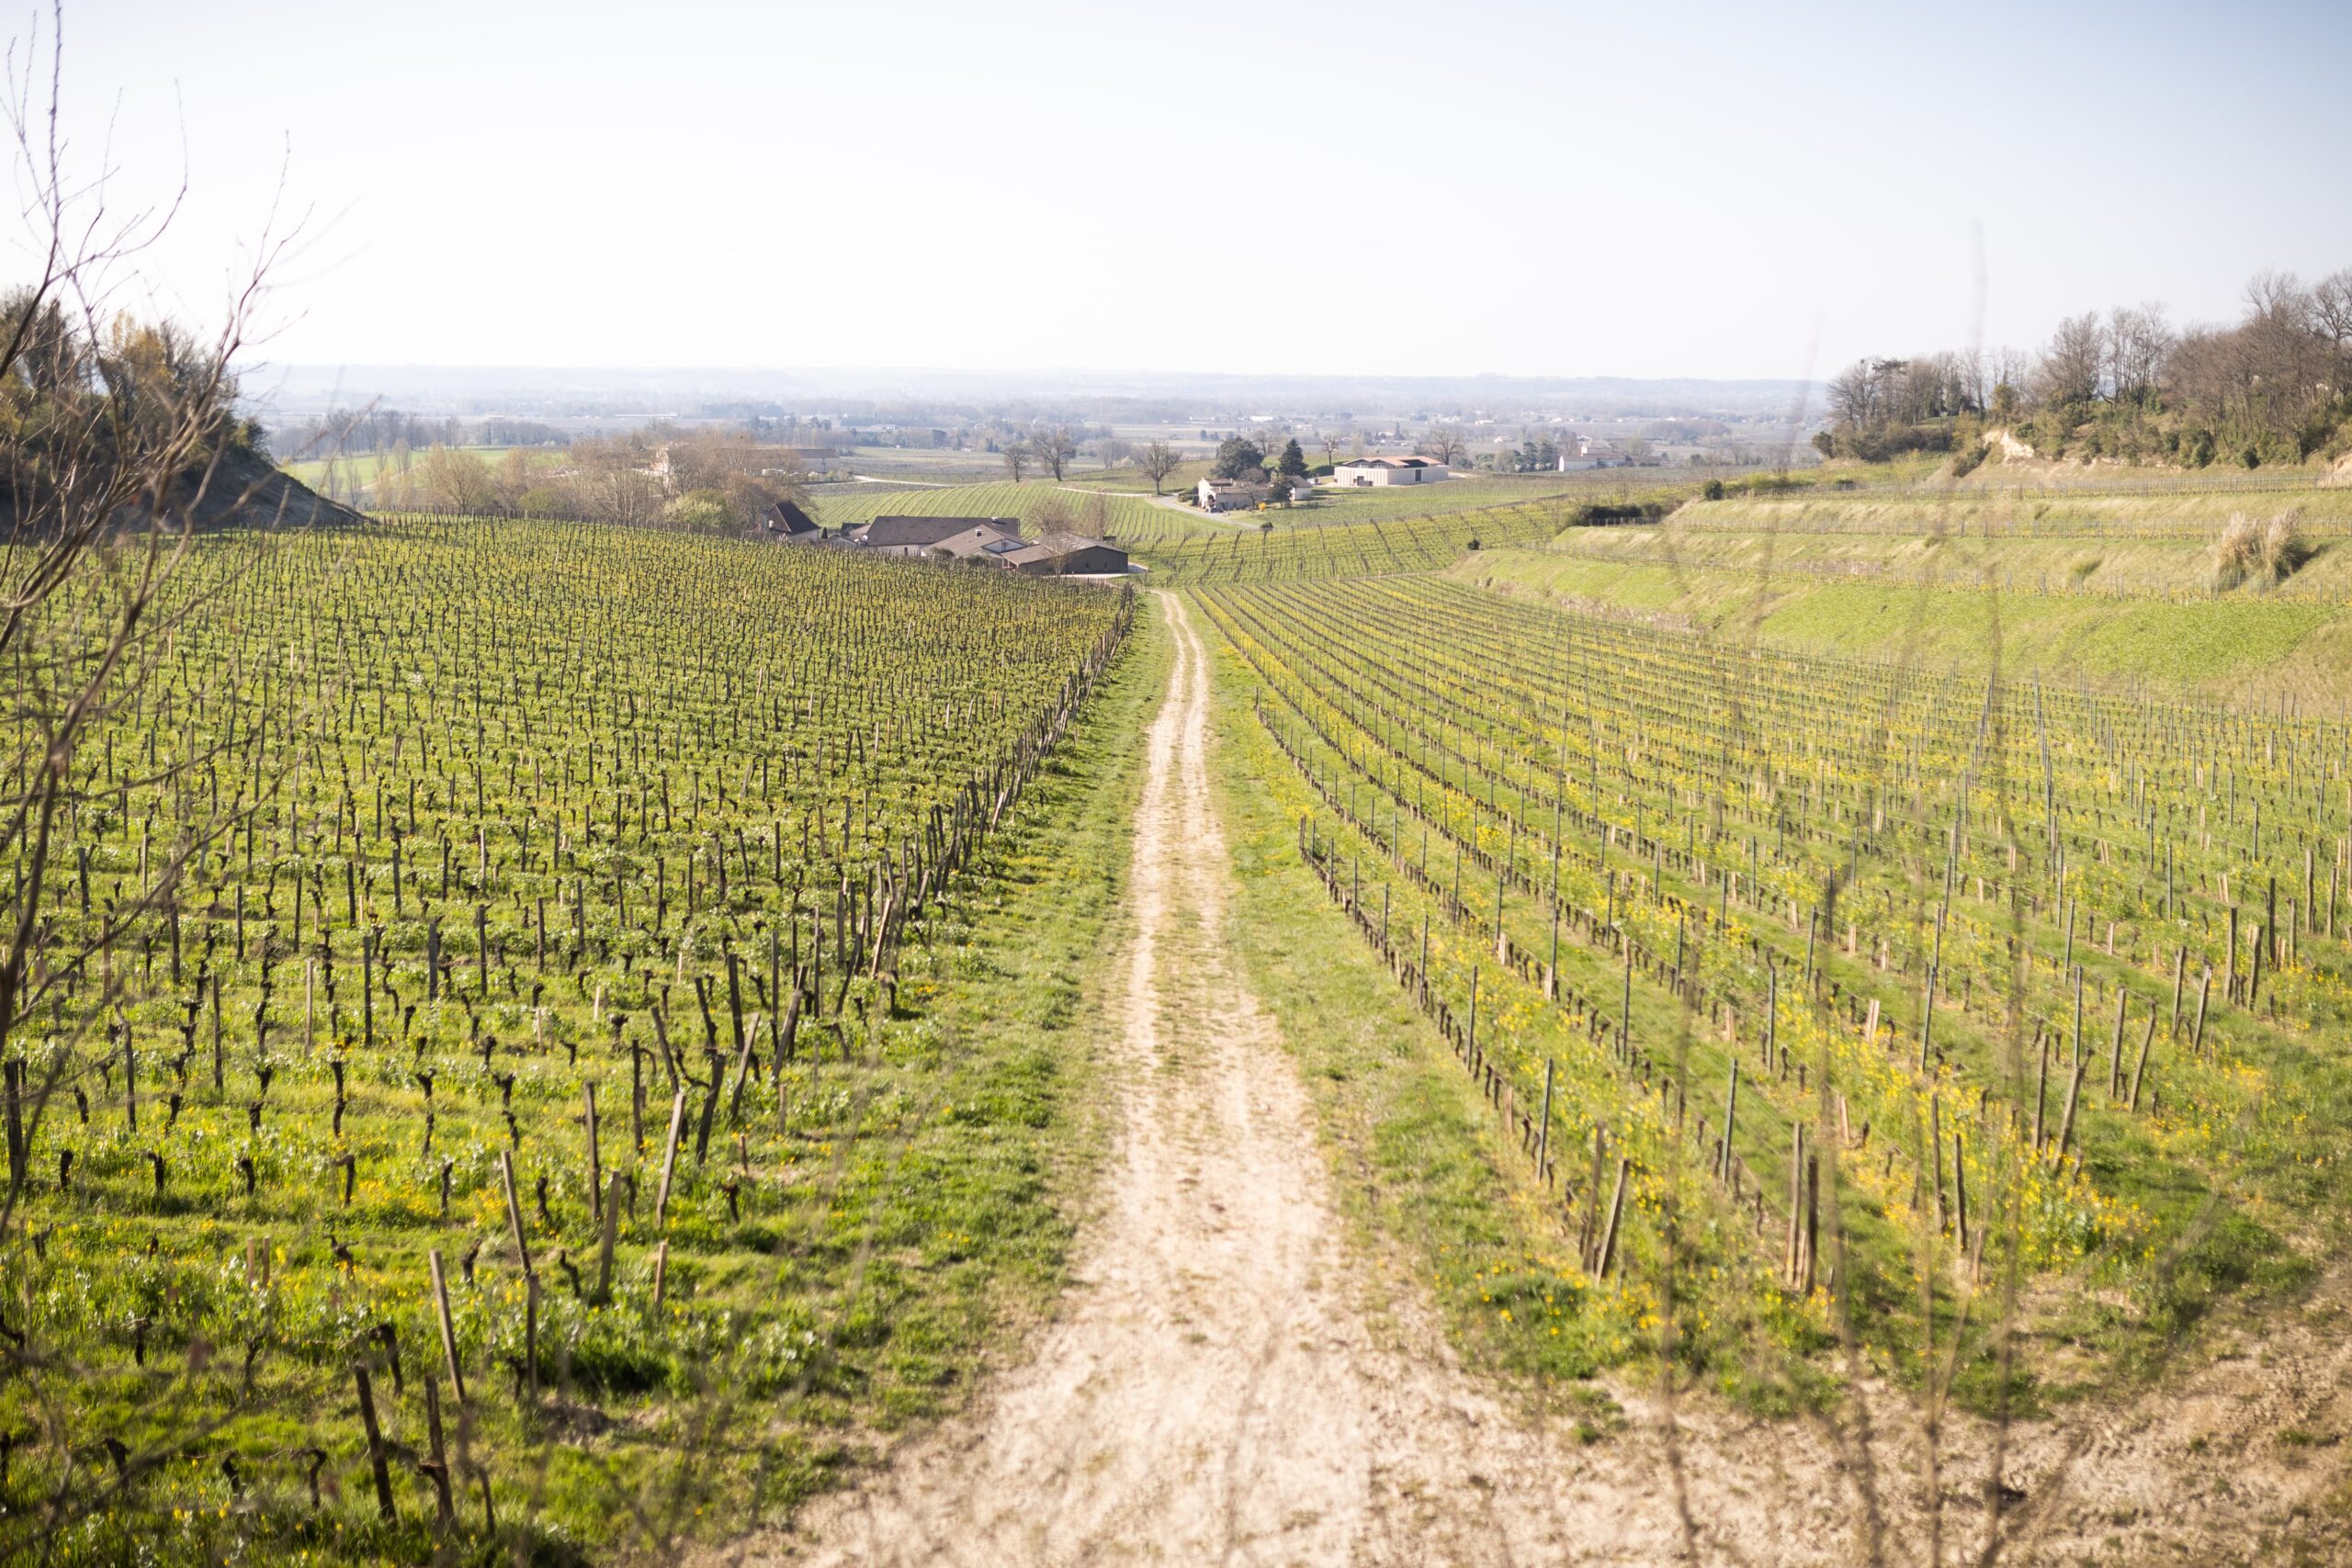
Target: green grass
[2119, 615]
[1132, 480]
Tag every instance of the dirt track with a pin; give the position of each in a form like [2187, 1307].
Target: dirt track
[1221, 1387]
[1213, 1391]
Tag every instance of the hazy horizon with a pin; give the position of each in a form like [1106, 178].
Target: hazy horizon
[1212, 395]
[1522, 191]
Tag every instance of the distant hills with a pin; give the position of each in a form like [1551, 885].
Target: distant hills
[688, 392]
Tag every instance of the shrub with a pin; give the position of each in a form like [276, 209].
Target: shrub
[703, 510]
[2248, 550]
[2236, 551]
[2284, 548]
[1712, 490]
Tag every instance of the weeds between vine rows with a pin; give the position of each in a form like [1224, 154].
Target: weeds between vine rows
[479, 1040]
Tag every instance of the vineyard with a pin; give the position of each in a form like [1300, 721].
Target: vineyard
[1281, 552]
[1389, 529]
[535, 1024]
[1825, 999]
[494, 1020]
[1335, 506]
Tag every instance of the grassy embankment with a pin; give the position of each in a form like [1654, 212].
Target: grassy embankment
[2112, 590]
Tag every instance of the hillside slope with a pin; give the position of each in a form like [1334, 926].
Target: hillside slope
[2111, 603]
[244, 490]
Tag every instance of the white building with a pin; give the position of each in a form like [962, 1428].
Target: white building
[1229, 495]
[1389, 471]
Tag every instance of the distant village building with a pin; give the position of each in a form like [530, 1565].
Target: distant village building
[1390, 471]
[1603, 454]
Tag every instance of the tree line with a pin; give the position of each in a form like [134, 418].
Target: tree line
[341, 433]
[2274, 385]
[710, 480]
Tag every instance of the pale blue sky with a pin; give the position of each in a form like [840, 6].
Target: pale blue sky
[1647, 190]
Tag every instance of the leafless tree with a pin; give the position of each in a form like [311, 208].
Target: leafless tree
[1054, 447]
[2270, 377]
[1904, 391]
[123, 441]
[513, 476]
[122, 436]
[1854, 392]
[2331, 308]
[2068, 373]
[2138, 340]
[1159, 460]
[458, 481]
[2278, 297]
[1445, 444]
[1017, 457]
[610, 481]
[2013, 368]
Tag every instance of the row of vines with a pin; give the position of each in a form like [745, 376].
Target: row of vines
[471, 955]
[1913, 983]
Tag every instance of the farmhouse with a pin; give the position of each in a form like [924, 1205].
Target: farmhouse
[917, 535]
[1389, 471]
[1067, 555]
[980, 543]
[785, 520]
[1229, 495]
